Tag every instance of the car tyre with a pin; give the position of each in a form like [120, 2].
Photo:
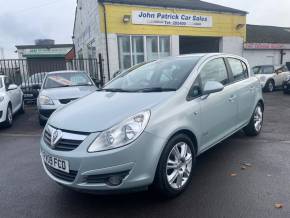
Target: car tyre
[255, 126]
[22, 109]
[9, 117]
[174, 174]
[42, 122]
[270, 86]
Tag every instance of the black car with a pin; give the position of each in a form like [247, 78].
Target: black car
[286, 86]
[31, 86]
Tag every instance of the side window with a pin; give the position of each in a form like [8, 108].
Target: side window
[239, 71]
[214, 70]
[268, 70]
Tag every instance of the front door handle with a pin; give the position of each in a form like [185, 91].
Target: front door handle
[232, 98]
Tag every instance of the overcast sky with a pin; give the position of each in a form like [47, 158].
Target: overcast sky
[23, 21]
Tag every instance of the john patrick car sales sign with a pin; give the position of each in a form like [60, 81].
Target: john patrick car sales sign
[170, 19]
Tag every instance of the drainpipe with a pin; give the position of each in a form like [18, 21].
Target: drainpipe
[282, 56]
[106, 38]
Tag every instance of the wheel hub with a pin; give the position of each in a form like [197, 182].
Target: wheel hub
[179, 165]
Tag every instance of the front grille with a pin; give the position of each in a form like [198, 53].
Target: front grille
[63, 144]
[69, 177]
[66, 101]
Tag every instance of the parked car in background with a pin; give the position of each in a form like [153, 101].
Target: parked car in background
[270, 76]
[11, 101]
[286, 85]
[60, 88]
[147, 126]
[31, 86]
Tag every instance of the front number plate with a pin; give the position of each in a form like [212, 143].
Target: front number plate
[56, 163]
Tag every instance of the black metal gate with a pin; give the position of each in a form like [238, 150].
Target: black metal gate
[27, 72]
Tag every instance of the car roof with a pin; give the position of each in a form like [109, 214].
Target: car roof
[66, 71]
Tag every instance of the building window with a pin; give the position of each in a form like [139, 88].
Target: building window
[138, 55]
[124, 51]
[152, 47]
[164, 46]
[137, 49]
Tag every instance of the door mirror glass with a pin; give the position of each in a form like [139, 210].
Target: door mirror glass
[212, 87]
[12, 87]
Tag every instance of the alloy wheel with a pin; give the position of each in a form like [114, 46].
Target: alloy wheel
[258, 118]
[271, 87]
[179, 165]
[9, 115]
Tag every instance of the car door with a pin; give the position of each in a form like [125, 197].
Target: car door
[218, 110]
[244, 87]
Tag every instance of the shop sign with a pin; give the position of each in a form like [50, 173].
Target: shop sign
[171, 19]
[265, 46]
[50, 51]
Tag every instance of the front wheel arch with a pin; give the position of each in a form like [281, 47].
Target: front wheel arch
[190, 134]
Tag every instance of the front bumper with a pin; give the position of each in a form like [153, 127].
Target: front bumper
[45, 111]
[137, 162]
[286, 86]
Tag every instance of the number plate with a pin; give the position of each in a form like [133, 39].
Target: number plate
[28, 95]
[56, 163]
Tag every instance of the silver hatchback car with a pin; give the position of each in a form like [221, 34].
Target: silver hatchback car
[147, 126]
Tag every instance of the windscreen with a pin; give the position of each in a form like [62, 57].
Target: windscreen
[162, 75]
[58, 80]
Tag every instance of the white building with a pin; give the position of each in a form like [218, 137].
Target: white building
[127, 32]
[267, 45]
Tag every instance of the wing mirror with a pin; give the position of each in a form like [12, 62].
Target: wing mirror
[12, 87]
[212, 87]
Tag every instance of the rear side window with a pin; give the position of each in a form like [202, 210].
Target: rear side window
[268, 70]
[239, 69]
[214, 70]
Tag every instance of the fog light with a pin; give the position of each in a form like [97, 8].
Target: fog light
[115, 180]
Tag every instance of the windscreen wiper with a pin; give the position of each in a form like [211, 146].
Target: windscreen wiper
[156, 89]
[115, 90]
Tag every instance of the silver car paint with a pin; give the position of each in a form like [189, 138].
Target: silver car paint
[210, 120]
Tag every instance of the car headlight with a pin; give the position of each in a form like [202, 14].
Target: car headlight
[45, 100]
[121, 134]
[1, 98]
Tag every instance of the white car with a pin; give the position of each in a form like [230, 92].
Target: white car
[270, 76]
[11, 101]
